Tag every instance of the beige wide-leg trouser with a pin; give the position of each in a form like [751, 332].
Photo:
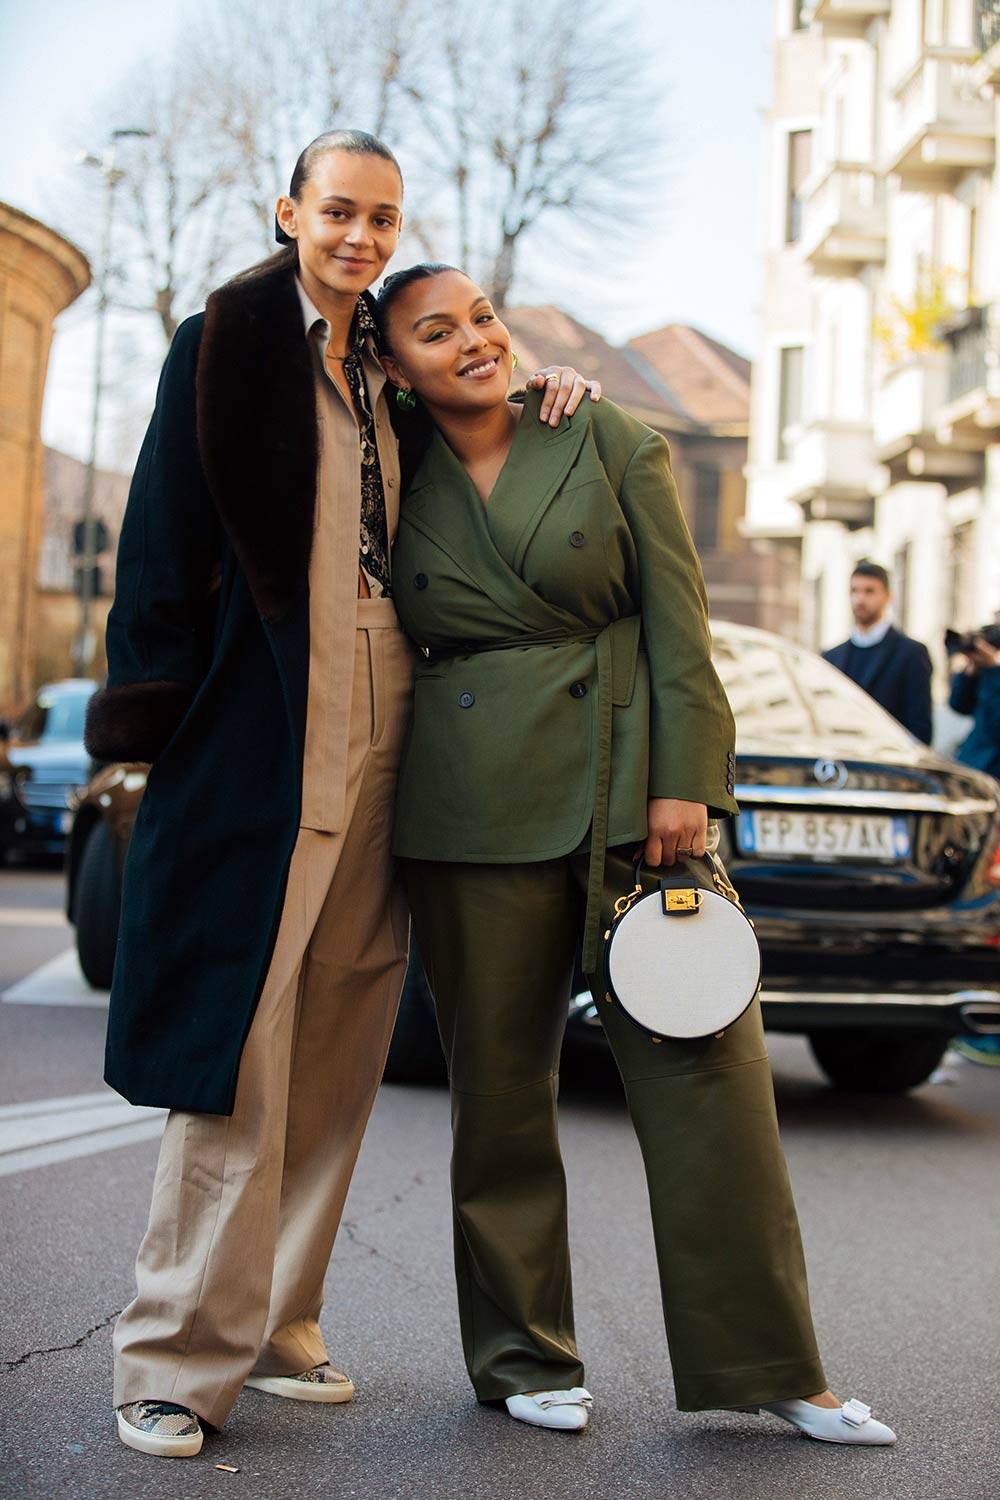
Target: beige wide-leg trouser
[246, 1207]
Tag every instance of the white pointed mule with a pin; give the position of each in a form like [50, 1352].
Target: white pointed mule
[851, 1423]
[567, 1411]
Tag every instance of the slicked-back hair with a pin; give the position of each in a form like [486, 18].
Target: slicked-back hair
[355, 142]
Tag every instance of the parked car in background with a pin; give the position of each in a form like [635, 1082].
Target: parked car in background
[869, 864]
[42, 764]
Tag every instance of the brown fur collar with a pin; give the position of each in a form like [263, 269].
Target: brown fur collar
[257, 430]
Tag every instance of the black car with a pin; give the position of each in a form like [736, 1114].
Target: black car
[868, 863]
[42, 763]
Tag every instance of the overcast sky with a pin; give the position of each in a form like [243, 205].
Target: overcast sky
[59, 56]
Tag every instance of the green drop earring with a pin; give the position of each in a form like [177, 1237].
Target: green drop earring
[405, 400]
[514, 361]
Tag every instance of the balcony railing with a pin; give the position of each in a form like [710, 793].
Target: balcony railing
[967, 366]
[940, 124]
[844, 219]
[971, 414]
[986, 70]
[987, 24]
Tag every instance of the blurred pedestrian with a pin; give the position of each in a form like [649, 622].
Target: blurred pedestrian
[568, 709]
[893, 668]
[255, 656]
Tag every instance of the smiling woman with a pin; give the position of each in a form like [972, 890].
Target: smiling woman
[568, 728]
[342, 226]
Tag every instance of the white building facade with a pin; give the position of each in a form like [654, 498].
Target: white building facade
[875, 428]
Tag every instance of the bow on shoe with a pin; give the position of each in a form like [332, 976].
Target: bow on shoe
[855, 1412]
[576, 1397]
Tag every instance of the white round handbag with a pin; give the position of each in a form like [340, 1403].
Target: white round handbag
[681, 961]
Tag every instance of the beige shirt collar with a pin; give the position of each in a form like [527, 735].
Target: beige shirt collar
[317, 327]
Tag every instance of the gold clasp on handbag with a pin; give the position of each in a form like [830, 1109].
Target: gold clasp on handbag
[624, 902]
[682, 900]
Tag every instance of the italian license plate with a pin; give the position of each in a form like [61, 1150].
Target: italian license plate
[823, 835]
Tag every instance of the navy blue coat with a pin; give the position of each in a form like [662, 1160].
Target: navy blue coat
[899, 679]
[208, 658]
[979, 694]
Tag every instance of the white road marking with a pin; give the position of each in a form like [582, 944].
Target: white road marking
[43, 1131]
[59, 982]
[32, 916]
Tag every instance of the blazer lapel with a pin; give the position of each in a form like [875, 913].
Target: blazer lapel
[444, 506]
[539, 460]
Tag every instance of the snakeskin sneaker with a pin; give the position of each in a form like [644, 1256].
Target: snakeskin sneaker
[160, 1427]
[322, 1383]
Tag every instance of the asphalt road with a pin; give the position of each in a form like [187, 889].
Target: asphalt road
[898, 1202]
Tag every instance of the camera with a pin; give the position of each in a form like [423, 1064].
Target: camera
[957, 641]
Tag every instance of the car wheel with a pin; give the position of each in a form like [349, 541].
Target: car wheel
[415, 1054]
[98, 906]
[877, 1062]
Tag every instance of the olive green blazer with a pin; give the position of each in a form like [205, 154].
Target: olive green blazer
[569, 674]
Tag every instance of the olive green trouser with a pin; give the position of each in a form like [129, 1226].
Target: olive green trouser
[498, 943]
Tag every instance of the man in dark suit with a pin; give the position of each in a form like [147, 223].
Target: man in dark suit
[892, 667]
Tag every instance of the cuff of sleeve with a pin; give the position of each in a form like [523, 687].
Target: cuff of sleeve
[714, 786]
[134, 722]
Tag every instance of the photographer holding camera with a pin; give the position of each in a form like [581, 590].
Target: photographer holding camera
[975, 690]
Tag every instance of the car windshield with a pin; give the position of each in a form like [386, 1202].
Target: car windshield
[56, 714]
[784, 694]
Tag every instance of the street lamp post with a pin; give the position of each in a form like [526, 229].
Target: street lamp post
[83, 649]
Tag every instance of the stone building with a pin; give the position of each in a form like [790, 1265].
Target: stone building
[40, 274]
[58, 605]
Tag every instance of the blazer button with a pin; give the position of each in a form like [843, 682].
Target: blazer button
[578, 690]
[466, 700]
[420, 582]
[577, 539]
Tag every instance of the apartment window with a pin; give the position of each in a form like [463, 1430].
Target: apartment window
[707, 493]
[789, 396]
[799, 157]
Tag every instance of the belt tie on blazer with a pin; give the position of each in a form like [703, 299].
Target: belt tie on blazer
[617, 650]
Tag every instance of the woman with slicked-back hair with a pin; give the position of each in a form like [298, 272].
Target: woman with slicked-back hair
[256, 660]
